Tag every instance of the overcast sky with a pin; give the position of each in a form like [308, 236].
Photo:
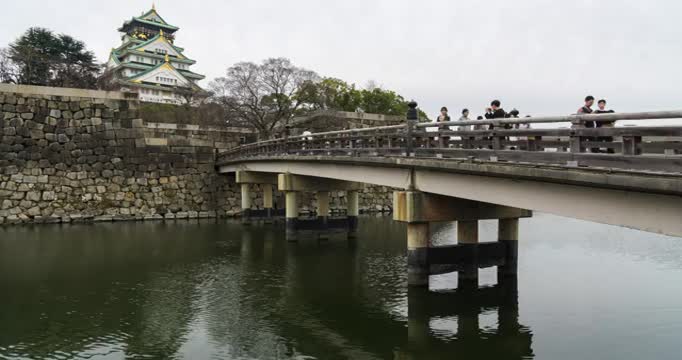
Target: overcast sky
[541, 57]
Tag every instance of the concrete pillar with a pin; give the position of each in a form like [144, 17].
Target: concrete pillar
[353, 212]
[322, 205]
[291, 199]
[467, 234]
[267, 200]
[508, 232]
[246, 201]
[418, 236]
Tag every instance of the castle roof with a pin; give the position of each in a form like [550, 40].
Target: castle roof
[150, 18]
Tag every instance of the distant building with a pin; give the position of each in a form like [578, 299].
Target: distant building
[149, 63]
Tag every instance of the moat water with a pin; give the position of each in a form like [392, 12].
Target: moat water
[219, 290]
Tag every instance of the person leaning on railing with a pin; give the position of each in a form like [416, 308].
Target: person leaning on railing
[443, 117]
[586, 110]
[495, 111]
[479, 127]
[514, 114]
[601, 104]
[465, 117]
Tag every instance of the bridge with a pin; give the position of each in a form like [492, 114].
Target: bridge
[501, 169]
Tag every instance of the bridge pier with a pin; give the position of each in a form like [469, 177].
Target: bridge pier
[419, 209]
[323, 225]
[291, 199]
[508, 233]
[353, 211]
[418, 237]
[265, 180]
[246, 203]
[267, 201]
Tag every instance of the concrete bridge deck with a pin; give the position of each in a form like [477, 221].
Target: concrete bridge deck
[625, 176]
[648, 201]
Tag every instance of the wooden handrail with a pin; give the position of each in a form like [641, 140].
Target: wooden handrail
[651, 148]
[654, 115]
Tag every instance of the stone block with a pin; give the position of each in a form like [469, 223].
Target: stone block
[103, 218]
[49, 196]
[33, 196]
[156, 142]
[34, 211]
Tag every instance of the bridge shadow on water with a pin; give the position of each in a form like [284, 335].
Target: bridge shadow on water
[448, 324]
[349, 299]
[216, 289]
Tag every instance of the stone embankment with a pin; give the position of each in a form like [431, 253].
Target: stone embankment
[71, 155]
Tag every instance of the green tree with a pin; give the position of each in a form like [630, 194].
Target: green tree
[336, 94]
[75, 66]
[43, 58]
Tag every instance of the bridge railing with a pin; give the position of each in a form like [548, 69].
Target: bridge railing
[639, 147]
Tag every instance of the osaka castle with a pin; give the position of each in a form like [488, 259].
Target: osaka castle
[149, 63]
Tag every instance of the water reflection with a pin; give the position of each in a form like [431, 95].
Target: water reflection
[199, 290]
[443, 324]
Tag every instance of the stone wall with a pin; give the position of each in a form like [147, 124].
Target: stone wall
[86, 156]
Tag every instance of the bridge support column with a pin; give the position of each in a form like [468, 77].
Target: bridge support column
[324, 225]
[267, 200]
[467, 237]
[265, 180]
[508, 233]
[291, 199]
[418, 209]
[418, 237]
[246, 202]
[353, 212]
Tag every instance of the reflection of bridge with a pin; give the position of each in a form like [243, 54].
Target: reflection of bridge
[332, 301]
[632, 177]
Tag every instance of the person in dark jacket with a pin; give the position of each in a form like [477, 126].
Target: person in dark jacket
[587, 109]
[495, 112]
[601, 109]
[443, 117]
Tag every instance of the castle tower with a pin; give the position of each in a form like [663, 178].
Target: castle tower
[149, 63]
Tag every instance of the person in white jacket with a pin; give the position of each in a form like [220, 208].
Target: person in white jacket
[464, 117]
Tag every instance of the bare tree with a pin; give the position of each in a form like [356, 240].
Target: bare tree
[263, 96]
[195, 96]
